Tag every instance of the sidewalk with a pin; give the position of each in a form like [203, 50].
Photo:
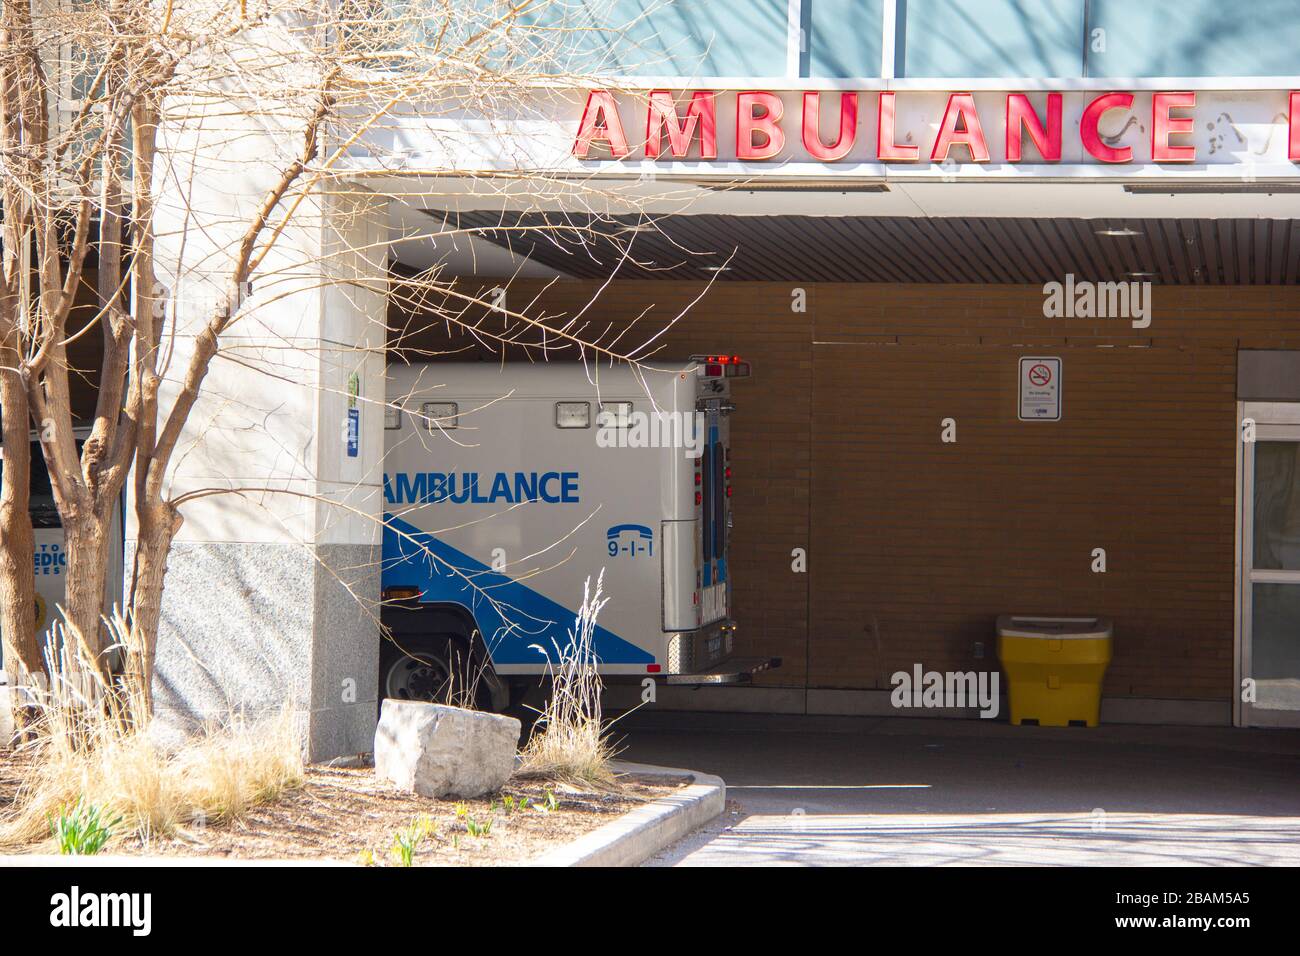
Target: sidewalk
[922, 791]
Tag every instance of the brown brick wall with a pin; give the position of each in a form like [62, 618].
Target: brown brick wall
[915, 545]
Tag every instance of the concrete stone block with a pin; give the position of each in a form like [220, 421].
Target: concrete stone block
[250, 628]
[439, 751]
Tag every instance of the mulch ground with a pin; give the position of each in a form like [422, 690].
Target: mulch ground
[347, 814]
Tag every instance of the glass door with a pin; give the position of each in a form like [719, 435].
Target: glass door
[1270, 579]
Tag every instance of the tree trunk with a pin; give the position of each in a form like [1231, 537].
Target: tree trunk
[158, 524]
[85, 585]
[22, 651]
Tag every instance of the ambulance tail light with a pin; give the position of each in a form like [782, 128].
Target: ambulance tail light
[722, 366]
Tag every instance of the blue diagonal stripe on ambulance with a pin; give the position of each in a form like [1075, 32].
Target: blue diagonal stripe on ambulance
[415, 558]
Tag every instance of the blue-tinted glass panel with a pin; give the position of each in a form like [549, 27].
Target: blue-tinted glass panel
[1194, 38]
[665, 37]
[1012, 38]
[843, 37]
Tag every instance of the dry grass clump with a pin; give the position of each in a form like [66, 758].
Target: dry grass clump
[88, 745]
[157, 791]
[570, 741]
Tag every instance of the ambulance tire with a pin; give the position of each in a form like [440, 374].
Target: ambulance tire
[437, 668]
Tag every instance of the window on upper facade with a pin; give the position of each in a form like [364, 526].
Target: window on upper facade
[842, 38]
[662, 37]
[978, 38]
[1193, 38]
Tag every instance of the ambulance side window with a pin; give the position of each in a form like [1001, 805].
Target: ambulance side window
[706, 499]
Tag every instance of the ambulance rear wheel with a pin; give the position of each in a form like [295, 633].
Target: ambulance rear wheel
[437, 669]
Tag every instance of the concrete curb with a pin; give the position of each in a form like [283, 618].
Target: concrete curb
[641, 833]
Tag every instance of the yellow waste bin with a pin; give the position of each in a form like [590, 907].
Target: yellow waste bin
[1054, 667]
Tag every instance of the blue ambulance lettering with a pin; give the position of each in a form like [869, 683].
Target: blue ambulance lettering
[633, 540]
[469, 487]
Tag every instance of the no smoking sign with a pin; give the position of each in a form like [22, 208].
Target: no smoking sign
[1040, 389]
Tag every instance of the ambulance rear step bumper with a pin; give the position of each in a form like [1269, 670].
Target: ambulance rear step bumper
[734, 670]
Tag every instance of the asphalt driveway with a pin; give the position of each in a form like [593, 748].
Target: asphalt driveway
[831, 790]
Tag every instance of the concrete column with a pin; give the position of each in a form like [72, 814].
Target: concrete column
[271, 596]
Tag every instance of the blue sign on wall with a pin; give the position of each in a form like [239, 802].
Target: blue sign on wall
[354, 432]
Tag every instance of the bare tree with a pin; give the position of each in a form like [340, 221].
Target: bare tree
[328, 75]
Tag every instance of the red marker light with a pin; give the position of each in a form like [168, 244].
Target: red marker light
[652, 668]
[697, 477]
[698, 498]
[727, 472]
[728, 491]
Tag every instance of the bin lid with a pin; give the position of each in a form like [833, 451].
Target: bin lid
[1053, 628]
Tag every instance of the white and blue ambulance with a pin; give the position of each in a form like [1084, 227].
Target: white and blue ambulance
[508, 486]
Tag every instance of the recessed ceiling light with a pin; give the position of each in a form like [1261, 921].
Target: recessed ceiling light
[1143, 275]
[1118, 232]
